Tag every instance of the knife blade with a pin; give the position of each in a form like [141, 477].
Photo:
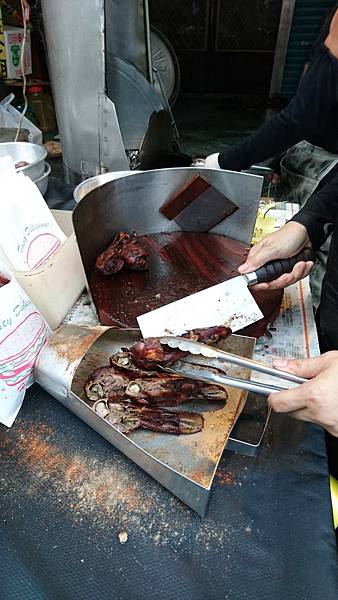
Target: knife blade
[229, 303]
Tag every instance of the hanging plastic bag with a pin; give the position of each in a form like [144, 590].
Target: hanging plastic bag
[10, 118]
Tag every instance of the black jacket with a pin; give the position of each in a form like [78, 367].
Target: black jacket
[311, 115]
[320, 216]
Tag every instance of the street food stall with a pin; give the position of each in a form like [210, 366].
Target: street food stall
[139, 455]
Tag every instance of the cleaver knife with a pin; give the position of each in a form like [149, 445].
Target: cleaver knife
[228, 303]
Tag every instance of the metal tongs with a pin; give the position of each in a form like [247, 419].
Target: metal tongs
[202, 373]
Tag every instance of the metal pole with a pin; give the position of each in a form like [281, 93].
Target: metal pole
[148, 42]
[281, 49]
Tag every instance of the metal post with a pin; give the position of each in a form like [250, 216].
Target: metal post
[284, 29]
[148, 42]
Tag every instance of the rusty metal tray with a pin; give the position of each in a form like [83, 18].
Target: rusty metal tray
[185, 465]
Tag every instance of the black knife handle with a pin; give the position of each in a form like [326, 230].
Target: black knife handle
[274, 269]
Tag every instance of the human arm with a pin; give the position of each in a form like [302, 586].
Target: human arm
[307, 229]
[305, 115]
[320, 210]
[317, 399]
[284, 243]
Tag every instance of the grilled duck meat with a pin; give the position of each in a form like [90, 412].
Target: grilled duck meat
[126, 418]
[3, 280]
[172, 391]
[208, 335]
[21, 163]
[101, 408]
[175, 422]
[104, 382]
[149, 351]
[123, 361]
[124, 251]
[134, 255]
[110, 262]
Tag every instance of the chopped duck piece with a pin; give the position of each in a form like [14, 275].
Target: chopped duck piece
[124, 251]
[148, 352]
[170, 391]
[135, 257]
[21, 163]
[123, 361]
[208, 335]
[3, 280]
[104, 382]
[126, 419]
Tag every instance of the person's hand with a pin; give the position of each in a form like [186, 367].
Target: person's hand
[317, 399]
[211, 161]
[288, 241]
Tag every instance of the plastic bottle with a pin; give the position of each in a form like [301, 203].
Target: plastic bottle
[41, 105]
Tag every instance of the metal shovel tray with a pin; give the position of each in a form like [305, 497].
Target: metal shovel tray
[186, 464]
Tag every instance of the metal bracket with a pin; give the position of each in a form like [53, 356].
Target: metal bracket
[249, 430]
[111, 148]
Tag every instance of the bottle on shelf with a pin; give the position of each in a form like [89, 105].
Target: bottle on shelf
[41, 105]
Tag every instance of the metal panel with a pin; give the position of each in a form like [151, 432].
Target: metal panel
[281, 46]
[126, 32]
[77, 71]
[134, 98]
[134, 202]
[307, 20]
[111, 148]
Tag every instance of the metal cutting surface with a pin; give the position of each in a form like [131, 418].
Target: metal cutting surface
[196, 456]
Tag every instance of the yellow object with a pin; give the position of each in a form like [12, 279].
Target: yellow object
[265, 224]
[334, 499]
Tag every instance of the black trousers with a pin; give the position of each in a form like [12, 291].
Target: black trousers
[331, 442]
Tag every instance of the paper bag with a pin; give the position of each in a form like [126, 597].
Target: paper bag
[29, 234]
[23, 332]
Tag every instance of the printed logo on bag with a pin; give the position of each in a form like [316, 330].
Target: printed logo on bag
[30, 335]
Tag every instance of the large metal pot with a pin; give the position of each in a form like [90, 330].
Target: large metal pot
[33, 154]
[92, 183]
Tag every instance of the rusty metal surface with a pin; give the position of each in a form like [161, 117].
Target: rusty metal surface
[57, 362]
[195, 457]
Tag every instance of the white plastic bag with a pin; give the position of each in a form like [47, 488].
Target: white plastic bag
[23, 332]
[10, 117]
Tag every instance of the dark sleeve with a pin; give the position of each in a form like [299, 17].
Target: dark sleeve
[321, 209]
[304, 116]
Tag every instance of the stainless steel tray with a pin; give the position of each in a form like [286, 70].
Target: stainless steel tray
[185, 465]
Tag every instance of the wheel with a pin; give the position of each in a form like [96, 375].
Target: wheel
[164, 59]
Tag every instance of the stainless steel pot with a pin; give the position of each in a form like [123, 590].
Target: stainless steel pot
[33, 154]
[92, 183]
[42, 182]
